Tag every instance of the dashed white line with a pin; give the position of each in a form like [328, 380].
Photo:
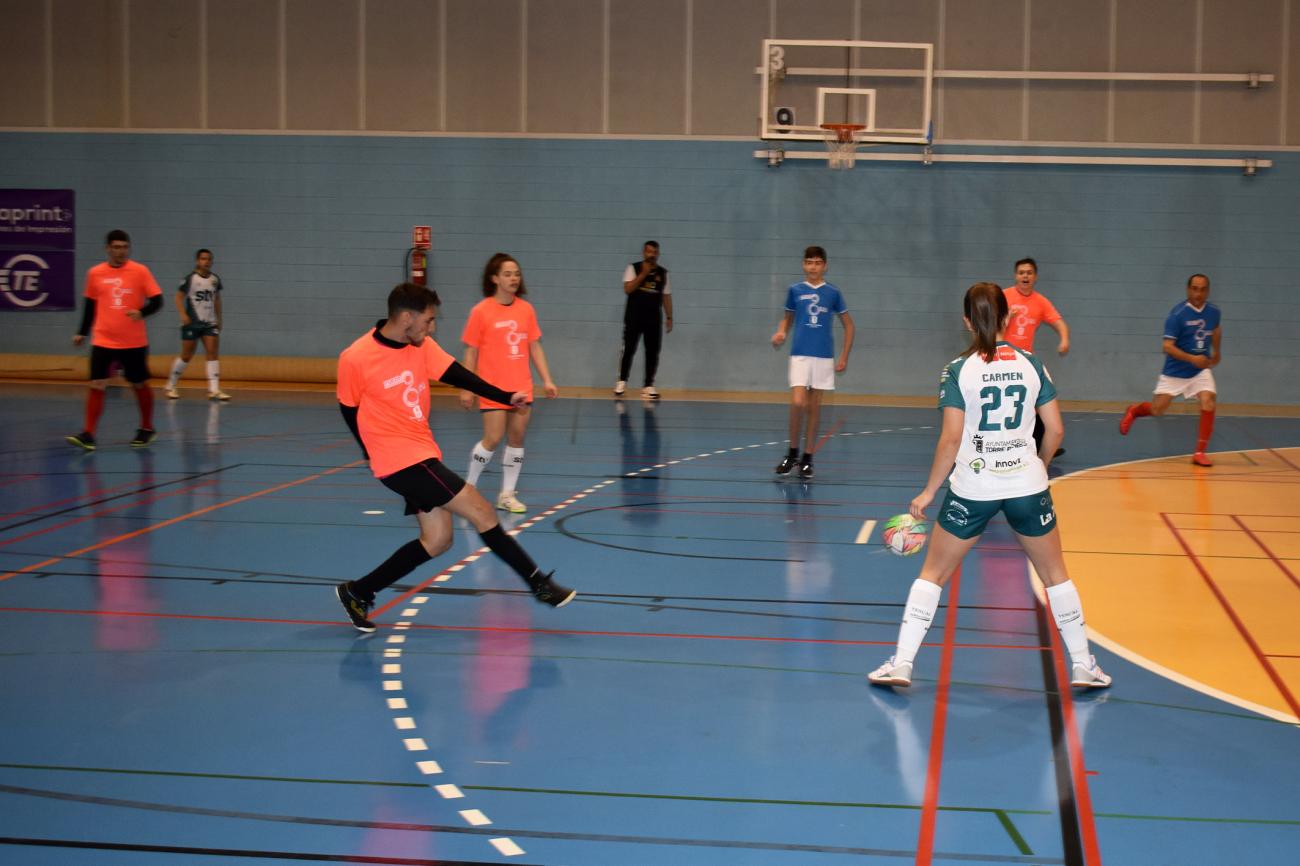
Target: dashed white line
[450, 792]
[415, 744]
[506, 847]
[865, 532]
[474, 817]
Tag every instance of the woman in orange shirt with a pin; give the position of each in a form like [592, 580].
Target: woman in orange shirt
[501, 338]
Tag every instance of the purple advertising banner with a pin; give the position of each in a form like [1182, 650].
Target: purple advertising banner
[38, 240]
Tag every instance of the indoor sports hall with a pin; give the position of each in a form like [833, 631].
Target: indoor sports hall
[182, 685]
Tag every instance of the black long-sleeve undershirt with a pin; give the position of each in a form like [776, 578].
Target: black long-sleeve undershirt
[150, 307]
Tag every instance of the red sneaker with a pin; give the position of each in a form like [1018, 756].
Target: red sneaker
[1200, 459]
[1126, 423]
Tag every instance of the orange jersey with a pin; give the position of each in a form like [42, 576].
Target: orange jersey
[1027, 313]
[117, 291]
[389, 385]
[503, 335]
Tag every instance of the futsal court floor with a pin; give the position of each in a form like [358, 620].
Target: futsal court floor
[180, 686]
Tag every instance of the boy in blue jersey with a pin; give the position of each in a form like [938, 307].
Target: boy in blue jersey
[812, 354]
[1191, 346]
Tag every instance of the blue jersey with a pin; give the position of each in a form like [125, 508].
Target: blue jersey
[1190, 329]
[814, 311]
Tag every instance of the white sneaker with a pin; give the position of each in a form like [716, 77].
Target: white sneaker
[1090, 677]
[649, 393]
[172, 394]
[218, 395]
[892, 673]
[507, 501]
[620, 388]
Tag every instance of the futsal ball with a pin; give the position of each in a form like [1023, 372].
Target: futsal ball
[904, 535]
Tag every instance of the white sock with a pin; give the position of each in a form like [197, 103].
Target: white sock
[1068, 610]
[214, 377]
[178, 367]
[479, 458]
[511, 464]
[922, 602]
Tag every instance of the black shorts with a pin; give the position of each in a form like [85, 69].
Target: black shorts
[135, 363]
[425, 486]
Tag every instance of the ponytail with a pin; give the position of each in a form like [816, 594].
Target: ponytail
[986, 309]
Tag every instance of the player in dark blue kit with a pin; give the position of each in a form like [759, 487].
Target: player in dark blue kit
[811, 307]
[1191, 346]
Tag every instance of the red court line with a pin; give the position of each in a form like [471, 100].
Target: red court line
[1264, 547]
[1078, 767]
[1236, 620]
[98, 492]
[828, 434]
[930, 803]
[95, 514]
[504, 629]
[165, 523]
[1280, 456]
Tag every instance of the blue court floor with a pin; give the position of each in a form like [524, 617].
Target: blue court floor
[180, 686]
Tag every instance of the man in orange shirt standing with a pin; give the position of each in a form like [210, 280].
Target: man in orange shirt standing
[383, 393]
[120, 295]
[1029, 309]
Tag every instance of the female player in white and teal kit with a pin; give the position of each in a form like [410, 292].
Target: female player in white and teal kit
[990, 397]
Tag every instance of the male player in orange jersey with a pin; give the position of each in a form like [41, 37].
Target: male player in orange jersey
[1029, 309]
[383, 393]
[120, 295]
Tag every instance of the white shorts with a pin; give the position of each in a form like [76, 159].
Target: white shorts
[807, 372]
[1186, 388]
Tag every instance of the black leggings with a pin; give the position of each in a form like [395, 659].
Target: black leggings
[634, 329]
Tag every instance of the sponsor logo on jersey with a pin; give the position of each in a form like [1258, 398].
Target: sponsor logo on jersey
[1006, 353]
[978, 441]
[977, 465]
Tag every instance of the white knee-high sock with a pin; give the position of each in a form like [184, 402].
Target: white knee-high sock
[178, 367]
[1068, 611]
[511, 464]
[922, 602]
[214, 377]
[479, 458]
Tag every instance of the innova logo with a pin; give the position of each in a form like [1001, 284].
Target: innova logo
[20, 280]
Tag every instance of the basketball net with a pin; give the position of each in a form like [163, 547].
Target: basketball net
[841, 144]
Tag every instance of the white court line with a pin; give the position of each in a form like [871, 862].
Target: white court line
[506, 847]
[868, 526]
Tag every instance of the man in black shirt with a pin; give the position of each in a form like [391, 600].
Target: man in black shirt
[646, 285]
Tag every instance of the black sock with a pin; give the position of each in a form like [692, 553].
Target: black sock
[511, 553]
[404, 560]
[794, 452]
[806, 458]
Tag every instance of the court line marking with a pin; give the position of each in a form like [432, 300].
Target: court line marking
[1278, 682]
[505, 845]
[173, 520]
[864, 534]
[1115, 647]
[1264, 547]
[939, 724]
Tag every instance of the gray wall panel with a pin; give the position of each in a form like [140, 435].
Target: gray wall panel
[88, 69]
[402, 45]
[243, 64]
[165, 57]
[1155, 36]
[984, 34]
[22, 63]
[1160, 113]
[565, 65]
[1070, 35]
[1230, 113]
[647, 60]
[989, 111]
[322, 63]
[1293, 79]
[725, 51]
[483, 74]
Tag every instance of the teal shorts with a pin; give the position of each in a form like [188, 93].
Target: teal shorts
[1030, 515]
[195, 330]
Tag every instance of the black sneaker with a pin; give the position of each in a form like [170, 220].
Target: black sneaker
[786, 464]
[143, 437]
[549, 592]
[805, 468]
[355, 607]
[81, 440]
[1059, 452]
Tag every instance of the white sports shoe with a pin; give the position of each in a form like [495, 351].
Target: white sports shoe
[172, 394]
[222, 396]
[649, 393]
[1090, 677]
[620, 388]
[892, 673]
[507, 501]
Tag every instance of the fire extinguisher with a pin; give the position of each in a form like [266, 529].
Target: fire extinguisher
[417, 257]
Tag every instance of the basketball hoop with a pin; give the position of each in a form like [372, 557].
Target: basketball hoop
[842, 143]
